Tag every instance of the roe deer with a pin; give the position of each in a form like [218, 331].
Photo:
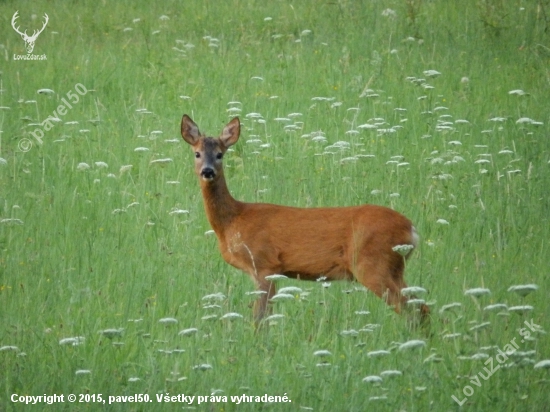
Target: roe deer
[264, 239]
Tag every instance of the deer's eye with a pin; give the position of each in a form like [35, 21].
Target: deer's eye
[219, 156]
[197, 155]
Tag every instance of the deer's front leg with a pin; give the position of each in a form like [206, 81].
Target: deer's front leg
[261, 306]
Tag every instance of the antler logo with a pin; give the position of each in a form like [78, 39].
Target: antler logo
[29, 40]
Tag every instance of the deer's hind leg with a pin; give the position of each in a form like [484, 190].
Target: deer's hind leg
[383, 276]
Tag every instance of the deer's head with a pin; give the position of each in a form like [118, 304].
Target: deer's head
[209, 151]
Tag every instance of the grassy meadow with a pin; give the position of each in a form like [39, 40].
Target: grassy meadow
[112, 284]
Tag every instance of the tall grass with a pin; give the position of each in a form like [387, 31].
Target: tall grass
[87, 247]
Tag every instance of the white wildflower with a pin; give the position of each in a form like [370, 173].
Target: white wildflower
[214, 296]
[448, 306]
[412, 290]
[524, 120]
[389, 13]
[111, 333]
[125, 168]
[202, 367]
[161, 162]
[291, 290]
[9, 347]
[403, 250]
[319, 139]
[372, 379]
[11, 221]
[378, 398]
[412, 344]
[275, 316]
[431, 73]
[523, 290]
[45, 91]
[479, 356]
[496, 306]
[433, 358]
[545, 364]
[231, 316]
[276, 277]
[521, 309]
[349, 332]
[282, 296]
[367, 126]
[477, 292]
[78, 340]
[390, 373]
[188, 332]
[362, 312]
[176, 211]
[378, 353]
[480, 326]
[322, 353]
[168, 321]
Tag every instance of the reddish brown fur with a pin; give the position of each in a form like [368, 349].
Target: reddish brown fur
[264, 239]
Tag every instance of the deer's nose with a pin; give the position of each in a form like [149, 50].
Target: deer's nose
[208, 173]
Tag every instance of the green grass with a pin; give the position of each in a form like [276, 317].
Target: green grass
[97, 248]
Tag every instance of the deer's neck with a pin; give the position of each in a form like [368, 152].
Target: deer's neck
[221, 208]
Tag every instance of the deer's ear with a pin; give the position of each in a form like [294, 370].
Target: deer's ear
[231, 132]
[189, 130]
